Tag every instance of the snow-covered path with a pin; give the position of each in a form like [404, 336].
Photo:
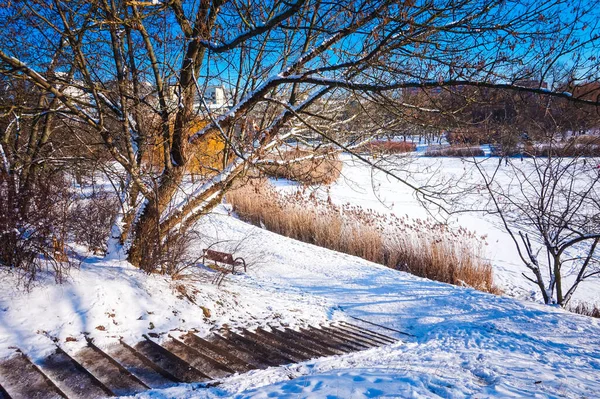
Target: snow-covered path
[467, 343]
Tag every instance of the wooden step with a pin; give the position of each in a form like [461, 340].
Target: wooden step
[285, 350]
[352, 346]
[216, 352]
[139, 366]
[325, 338]
[208, 366]
[266, 353]
[72, 378]
[310, 341]
[21, 379]
[350, 337]
[121, 369]
[370, 332]
[364, 335]
[3, 393]
[117, 378]
[255, 359]
[308, 353]
[176, 367]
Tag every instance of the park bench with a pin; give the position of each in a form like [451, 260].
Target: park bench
[224, 258]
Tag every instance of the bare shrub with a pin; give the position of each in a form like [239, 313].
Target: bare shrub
[34, 226]
[586, 310]
[420, 247]
[454, 151]
[178, 255]
[549, 210]
[581, 146]
[305, 167]
[468, 136]
[91, 219]
[510, 151]
[389, 147]
[172, 253]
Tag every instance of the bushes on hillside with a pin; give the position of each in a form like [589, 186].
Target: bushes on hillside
[586, 310]
[34, 225]
[91, 219]
[38, 221]
[575, 148]
[571, 149]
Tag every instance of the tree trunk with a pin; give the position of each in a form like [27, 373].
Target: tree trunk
[146, 247]
[558, 281]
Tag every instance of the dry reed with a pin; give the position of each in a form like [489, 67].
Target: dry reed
[321, 168]
[420, 247]
[570, 149]
[454, 151]
[389, 147]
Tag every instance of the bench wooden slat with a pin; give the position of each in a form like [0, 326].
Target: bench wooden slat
[217, 256]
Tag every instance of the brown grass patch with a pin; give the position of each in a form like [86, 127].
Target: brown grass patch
[420, 247]
[454, 151]
[581, 146]
[304, 167]
[389, 147]
[571, 149]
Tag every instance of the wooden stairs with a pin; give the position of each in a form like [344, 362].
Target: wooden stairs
[123, 369]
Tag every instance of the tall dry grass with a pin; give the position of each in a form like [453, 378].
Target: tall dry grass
[389, 147]
[454, 151]
[313, 168]
[570, 149]
[420, 247]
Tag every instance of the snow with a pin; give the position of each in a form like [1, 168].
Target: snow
[464, 343]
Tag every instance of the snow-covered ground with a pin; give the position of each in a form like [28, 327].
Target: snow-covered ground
[109, 299]
[464, 343]
[363, 186]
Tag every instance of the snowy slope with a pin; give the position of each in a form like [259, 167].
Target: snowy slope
[110, 299]
[466, 344]
[361, 185]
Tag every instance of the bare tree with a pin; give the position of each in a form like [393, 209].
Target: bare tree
[550, 208]
[133, 75]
